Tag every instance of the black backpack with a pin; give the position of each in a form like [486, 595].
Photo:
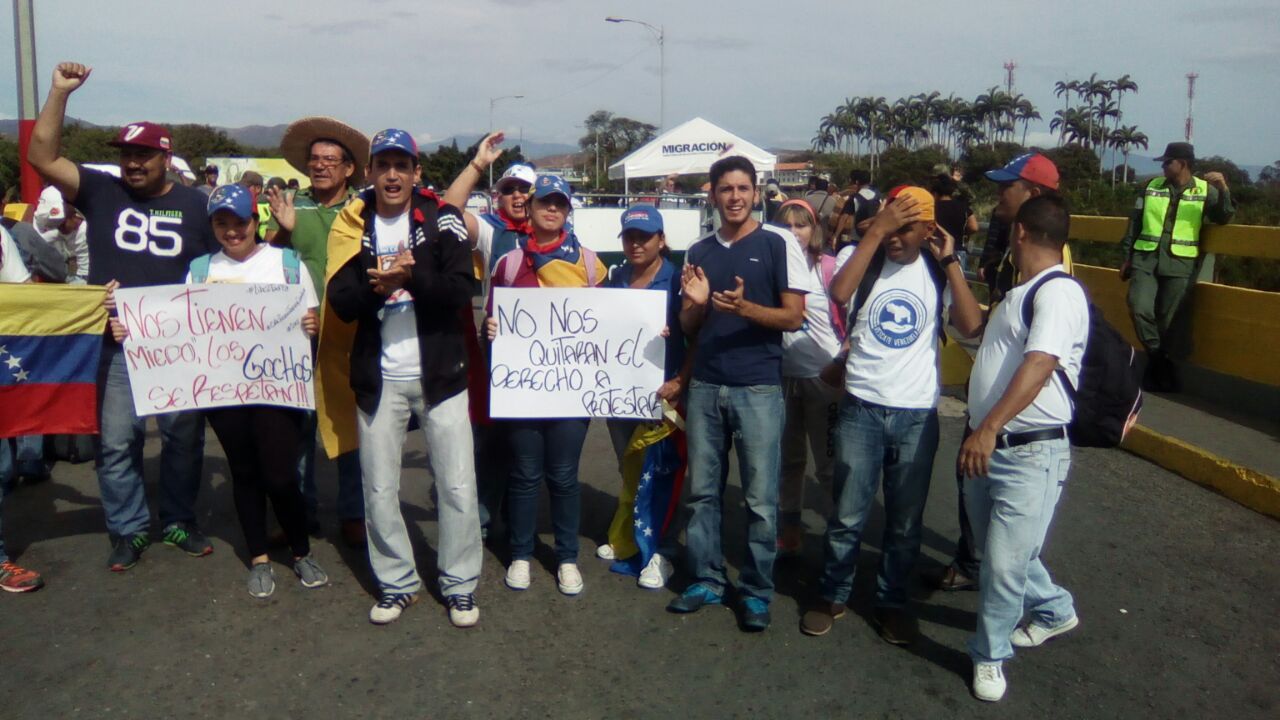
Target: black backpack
[1107, 403]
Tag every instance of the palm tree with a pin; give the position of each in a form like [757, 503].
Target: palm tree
[1025, 112]
[1094, 88]
[1126, 138]
[1121, 86]
[1064, 90]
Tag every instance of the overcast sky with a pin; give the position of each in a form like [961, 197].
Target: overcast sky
[764, 69]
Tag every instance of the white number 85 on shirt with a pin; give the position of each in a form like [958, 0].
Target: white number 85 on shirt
[141, 233]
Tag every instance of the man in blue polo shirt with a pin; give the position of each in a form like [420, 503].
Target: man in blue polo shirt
[742, 286]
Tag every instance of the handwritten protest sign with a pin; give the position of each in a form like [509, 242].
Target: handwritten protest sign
[193, 347]
[577, 353]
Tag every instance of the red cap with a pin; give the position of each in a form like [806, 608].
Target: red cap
[144, 134]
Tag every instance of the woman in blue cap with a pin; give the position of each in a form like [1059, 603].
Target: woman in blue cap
[642, 447]
[546, 450]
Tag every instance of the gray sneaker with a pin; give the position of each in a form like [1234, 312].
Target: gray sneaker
[310, 572]
[262, 580]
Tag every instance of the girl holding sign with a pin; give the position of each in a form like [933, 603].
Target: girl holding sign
[657, 450]
[261, 441]
[546, 449]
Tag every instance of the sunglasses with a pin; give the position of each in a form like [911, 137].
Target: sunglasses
[513, 188]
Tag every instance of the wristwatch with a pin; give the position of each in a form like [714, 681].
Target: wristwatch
[948, 260]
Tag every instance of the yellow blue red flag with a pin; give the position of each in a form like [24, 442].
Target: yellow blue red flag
[50, 339]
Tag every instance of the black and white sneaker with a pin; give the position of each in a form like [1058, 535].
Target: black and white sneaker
[463, 611]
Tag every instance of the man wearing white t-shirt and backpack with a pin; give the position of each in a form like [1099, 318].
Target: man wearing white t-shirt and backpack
[1016, 459]
[889, 420]
[405, 288]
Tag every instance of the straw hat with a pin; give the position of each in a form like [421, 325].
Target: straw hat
[295, 146]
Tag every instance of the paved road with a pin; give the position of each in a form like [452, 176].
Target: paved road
[1176, 589]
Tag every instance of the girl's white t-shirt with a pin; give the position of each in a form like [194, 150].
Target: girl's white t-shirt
[265, 265]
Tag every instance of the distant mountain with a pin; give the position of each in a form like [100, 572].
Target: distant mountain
[259, 136]
[9, 126]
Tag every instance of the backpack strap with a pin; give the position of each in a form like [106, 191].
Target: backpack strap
[511, 266]
[589, 258]
[292, 266]
[939, 277]
[868, 282]
[827, 265]
[1028, 313]
[199, 268]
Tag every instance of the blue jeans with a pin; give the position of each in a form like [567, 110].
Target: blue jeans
[1010, 510]
[119, 463]
[871, 440]
[550, 450]
[493, 470]
[718, 417]
[350, 487]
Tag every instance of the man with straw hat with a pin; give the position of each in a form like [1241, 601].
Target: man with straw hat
[331, 153]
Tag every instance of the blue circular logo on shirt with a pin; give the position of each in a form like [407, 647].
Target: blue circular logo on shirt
[896, 318]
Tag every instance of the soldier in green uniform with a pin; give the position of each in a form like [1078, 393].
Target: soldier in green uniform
[1162, 248]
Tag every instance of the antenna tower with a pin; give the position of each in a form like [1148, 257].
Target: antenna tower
[1191, 97]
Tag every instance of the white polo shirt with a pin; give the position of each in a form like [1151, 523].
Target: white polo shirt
[1059, 327]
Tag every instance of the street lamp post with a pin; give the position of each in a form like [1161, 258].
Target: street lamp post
[494, 101]
[660, 34]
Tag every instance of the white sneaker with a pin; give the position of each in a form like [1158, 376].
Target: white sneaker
[1033, 635]
[390, 606]
[518, 575]
[568, 579]
[988, 681]
[463, 611]
[605, 552]
[656, 573]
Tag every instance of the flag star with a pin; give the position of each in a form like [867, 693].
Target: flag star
[3, 350]
[646, 477]
[21, 375]
[14, 361]
[648, 532]
[639, 522]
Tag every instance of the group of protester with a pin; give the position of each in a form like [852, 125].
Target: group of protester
[776, 347]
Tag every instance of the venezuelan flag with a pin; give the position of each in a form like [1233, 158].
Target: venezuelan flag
[50, 338]
[653, 468]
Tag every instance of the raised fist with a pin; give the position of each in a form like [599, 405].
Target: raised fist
[69, 76]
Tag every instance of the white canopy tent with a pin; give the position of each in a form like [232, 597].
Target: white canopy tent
[689, 149]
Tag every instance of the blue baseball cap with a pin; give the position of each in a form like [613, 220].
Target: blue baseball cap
[236, 198]
[644, 218]
[393, 139]
[548, 185]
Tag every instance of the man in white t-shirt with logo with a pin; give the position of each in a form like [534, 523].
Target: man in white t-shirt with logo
[1016, 459]
[888, 422]
[406, 289]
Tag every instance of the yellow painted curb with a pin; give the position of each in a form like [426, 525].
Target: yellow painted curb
[1251, 488]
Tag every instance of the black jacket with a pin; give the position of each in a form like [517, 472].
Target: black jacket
[441, 282]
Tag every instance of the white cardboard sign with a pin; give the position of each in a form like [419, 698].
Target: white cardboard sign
[195, 347]
[577, 352]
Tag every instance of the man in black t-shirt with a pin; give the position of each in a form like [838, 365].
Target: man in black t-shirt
[143, 230]
[858, 210]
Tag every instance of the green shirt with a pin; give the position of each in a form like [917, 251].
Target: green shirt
[310, 236]
[1217, 209]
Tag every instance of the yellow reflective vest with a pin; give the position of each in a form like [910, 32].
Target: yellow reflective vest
[1186, 224]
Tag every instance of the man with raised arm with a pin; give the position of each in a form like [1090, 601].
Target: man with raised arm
[143, 230]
